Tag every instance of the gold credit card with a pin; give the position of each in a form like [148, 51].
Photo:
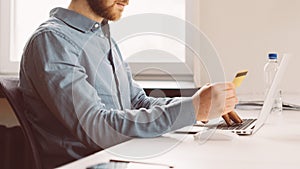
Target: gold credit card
[239, 78]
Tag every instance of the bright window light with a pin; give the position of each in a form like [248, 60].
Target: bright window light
[28, 15]
[24, 17]
[171, 50]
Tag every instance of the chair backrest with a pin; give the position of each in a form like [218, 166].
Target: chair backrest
[10, 89]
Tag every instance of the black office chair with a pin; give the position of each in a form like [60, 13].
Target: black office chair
[9, 87]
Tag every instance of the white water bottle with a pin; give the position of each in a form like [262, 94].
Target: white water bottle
[270, 70]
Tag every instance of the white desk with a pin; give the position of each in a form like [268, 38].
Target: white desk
[275, 145]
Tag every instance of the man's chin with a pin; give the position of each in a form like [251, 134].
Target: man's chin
[116, 17]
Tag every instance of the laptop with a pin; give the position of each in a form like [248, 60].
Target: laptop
[249, 126]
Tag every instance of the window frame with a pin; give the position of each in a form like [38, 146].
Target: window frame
[6, 42]
[180, 71]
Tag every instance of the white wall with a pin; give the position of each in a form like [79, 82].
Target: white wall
[244, 31]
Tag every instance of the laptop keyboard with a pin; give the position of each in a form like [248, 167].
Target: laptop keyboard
[237, 126]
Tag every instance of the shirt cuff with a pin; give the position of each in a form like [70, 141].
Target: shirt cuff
[183, 112]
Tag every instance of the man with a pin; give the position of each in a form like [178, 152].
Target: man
[81, 97]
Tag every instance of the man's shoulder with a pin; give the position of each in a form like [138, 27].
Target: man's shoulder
[56, 31]
[52, 26]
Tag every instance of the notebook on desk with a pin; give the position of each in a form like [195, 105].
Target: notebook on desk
[250, 126]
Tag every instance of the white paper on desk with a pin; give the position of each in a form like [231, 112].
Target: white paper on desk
[191, 129]
[144, 166]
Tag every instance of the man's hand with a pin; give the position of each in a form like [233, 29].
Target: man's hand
[232, 116]
[215, 100]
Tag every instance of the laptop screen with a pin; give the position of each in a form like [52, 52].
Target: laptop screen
[269, 99]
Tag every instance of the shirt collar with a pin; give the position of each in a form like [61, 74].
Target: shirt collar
[75, 20]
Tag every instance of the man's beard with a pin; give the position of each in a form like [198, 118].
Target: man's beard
[103, 10]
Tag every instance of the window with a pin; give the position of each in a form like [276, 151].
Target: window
[154, 56]
[20, 18]
[174, 8]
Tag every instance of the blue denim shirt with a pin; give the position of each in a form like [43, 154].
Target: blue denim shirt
[78, 101]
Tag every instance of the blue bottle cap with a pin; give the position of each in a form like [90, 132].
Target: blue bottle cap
[272, 55]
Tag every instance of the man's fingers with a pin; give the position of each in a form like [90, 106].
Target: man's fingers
[227, 119]
[232, 116]
[225, 86]
[212, 99]
[235, 117]
[230, 94]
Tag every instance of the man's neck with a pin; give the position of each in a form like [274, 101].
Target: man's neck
[83, 8]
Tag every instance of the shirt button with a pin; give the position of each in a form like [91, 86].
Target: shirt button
[96, 25]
